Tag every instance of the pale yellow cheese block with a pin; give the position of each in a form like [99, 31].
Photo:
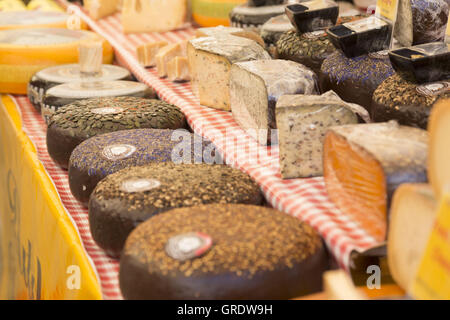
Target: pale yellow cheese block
[178, 69]
[99, 9]
[146, 53]
[166, 54]
[412, 216]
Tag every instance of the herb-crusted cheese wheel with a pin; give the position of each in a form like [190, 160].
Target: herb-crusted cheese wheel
[365, 163]
[411, 219]
[256, 86]
[67, 93]
[439, 125]
[81, 120]
[245, 16]
[32, 19]
[125, 199]
[23, 52]
[421, 21]
[302, 121]
[407, 102]
[102, 155]
[355, 79]
[210, 60]
[53, 76]
[224, 251]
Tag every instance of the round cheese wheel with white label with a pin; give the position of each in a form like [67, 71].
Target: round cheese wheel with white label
[53, 76]
[102, 155]
[67, 93]
[23, 52]
[407, 102]
[81, 120]
[127, 198]
[222, 252]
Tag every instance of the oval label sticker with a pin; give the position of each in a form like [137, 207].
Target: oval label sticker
[118, 151]
[188, 246]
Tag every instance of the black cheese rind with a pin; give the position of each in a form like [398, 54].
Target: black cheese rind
[272, 30]
[312, 16]
[252, 253]
[125, 199]
[260, 3]
[244, 16]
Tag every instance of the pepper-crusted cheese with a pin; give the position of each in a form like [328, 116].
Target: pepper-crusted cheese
[210, 60]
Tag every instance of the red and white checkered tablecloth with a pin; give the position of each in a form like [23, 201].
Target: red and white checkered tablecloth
[303, 198]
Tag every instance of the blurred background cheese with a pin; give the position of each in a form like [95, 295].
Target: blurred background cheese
[211, 13]
[32, 19]
[23, 52]
[98, 9]
[412, 216]
[12, 5]
[44, 5]
[154, 15]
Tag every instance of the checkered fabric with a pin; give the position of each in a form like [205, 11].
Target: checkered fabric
[303, 198]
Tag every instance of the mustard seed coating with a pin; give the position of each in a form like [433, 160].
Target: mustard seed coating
[257, 252]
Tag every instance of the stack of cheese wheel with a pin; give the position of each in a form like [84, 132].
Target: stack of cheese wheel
[23, 52]
[211, 13]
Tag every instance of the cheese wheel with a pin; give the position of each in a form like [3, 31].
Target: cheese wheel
[211, 13]
[439, 125]
[129, 197]
[53, 76]
[81, 120]
[412, 216]
[44, 5]
[102, 155]
[63, 94]
[222, 252]
[245, 16]
[32, 19]
[365, 163]
[12, 5]
[99, 9]
[272, 30]
[23, 52]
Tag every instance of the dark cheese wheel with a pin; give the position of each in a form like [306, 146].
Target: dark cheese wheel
[407, 102]
[274, 28]
[102, 155]
[76, 122]
[53, 76]
[244, 16]
[222, 252]
[67, 93]
[355, 79]
[123, 200]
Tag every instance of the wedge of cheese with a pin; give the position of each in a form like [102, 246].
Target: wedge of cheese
[412, 216]
[439, 128]
[210, 60]
[146, 53]
[302, 121]
[221, 30]
[153, 15]
[365, 163]
[167, 53]
[99, 9]
[256, 86]
[178, 69]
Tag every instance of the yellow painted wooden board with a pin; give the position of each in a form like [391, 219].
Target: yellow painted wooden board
[41, 254]
[433, 278]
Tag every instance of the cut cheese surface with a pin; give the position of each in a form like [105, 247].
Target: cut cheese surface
[302, 121]
[23, 52]
[210, 60]
[412, 216]
[166, 54]
[98, 9]
[438, 165]
[178, 69]
[32, 19]
[153, 15]
[146, 53]
[364, 164]
[256, 86]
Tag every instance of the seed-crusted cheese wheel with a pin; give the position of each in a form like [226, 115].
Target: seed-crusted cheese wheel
[412, 216]
[365, 163]
[53, 76]
[81, 120]
[210, 60]
[355, 79]
[211, 13]
[244, 16]
[407, 102]
[302, 121]
[102, 155]
[222, 251]
[23, 52]
[256, 86]
[439, 125]
[67, 93]
[421, 21]
[123, 200]
[32, 19]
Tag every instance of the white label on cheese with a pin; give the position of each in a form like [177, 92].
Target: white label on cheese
[315, 34]
[107, 110]
[366, 24]
[433, 89]
[139, 185]
[71, 72]
[78, 90]
[118, 151]
[41, 37]
[384, 54]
